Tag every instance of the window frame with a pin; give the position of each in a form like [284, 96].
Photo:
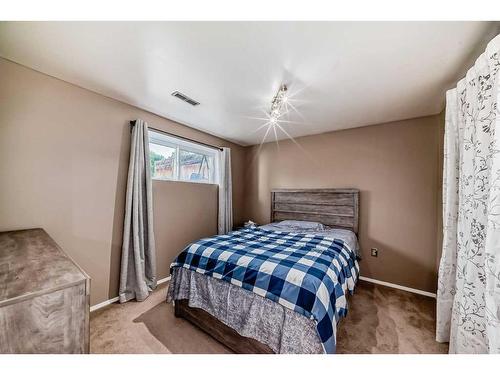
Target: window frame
[179, 144]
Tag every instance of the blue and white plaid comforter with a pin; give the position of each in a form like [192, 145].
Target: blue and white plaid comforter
[310, 274]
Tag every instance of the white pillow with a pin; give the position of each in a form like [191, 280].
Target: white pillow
[302, 225]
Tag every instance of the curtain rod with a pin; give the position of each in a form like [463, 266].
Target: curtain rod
[132, 123]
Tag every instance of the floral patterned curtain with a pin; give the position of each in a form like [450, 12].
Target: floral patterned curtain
[468, 298]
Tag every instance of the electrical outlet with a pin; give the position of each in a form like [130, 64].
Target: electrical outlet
[374, 252]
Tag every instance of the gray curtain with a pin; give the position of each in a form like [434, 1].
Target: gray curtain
[138, 267]
[225, 221]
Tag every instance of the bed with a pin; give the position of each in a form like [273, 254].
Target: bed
[277, 288]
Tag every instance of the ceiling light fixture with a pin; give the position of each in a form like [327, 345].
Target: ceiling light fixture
[280, 105]
[277, 104]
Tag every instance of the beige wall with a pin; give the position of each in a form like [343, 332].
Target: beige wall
[395, 166]
[63, 164]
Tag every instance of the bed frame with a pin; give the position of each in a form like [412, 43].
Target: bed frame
[338, 208]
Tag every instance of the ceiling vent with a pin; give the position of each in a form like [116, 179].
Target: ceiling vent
[185, 98]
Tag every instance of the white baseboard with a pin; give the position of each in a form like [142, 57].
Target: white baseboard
[396, 286]
[115, 299]
[164, 280]
[103, 304]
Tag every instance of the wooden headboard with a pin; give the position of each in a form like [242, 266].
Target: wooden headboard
[338, 208]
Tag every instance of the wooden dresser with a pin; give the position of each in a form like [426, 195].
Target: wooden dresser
[44, 296]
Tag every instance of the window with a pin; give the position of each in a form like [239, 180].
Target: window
[180, 160]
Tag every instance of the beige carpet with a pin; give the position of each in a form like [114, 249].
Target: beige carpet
[380, 320]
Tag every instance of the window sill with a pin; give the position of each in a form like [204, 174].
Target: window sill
[182, 181]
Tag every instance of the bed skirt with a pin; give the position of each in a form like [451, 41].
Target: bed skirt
[250, 315]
